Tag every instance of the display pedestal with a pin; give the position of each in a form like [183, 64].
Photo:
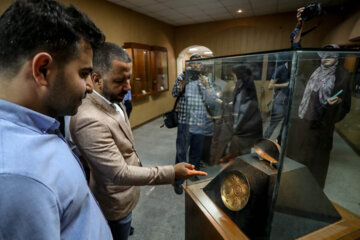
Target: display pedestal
[205, 220]
[300, 201]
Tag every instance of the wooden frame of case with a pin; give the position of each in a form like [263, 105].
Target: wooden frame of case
[150, 69]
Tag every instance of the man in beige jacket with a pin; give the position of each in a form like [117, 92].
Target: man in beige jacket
[101, 131]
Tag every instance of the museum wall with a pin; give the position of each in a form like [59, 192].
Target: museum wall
[223, 38]
[348, 28]
[123, 25]
[250, 34]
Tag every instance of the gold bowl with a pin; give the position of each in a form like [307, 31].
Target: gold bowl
[267, 149]
[235, 190]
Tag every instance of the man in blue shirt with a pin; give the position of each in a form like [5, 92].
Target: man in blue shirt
[280, 83]
[45, 62]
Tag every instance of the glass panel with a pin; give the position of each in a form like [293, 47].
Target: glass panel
[230, 101]
[288, 121]
[322, 110]
[159, 70]
[140, 71]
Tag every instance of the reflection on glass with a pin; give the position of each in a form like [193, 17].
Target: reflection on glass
[247, 123]
[325, 101]
[313, 115]
[279, 83]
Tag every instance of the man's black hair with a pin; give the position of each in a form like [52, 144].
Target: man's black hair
[31, 26]
[105, 54]
[245, 80]
[85, 27]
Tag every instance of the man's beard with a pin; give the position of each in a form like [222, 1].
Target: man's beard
[113, 98]
[116, 99]
[59, 102]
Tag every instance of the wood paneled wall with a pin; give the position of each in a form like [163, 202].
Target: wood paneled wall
[123, 25]
[223, 38]
[341, 33]
[253, 34]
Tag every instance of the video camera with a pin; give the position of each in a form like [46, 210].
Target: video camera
[192, 75]
[312, 10]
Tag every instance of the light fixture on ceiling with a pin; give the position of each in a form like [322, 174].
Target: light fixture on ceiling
[193, 49]
[208, 53]
[239, 11]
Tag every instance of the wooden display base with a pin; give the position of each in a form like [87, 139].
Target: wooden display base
[205, 220]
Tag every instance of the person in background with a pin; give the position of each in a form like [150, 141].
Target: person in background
[223, 119]
[295, 36]
[102, 132]
[247, 122]
[208, 90]
[45, 61]
[311, 132]
[280, 84]
[127, 103]
[192, 117]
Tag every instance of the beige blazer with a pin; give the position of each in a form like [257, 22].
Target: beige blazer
[107, 144]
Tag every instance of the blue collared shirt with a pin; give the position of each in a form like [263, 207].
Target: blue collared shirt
[43, 190]
[281, 75]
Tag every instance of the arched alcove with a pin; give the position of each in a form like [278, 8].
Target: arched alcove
[187, 52]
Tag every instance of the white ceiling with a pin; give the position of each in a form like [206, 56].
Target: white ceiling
[184, 12]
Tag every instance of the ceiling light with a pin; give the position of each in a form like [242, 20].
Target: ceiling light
[208, 53]
[239, 11]
[193, 49]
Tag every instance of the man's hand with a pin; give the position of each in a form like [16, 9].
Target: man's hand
[298, 14]
[185, 170]
[271, 84]
[182, 84]
[203, 81]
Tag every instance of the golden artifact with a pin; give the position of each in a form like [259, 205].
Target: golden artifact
[235, 190]
[267, 149]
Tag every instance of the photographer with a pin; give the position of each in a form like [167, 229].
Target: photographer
[295, 36]
[325, 101]
[191, 116]
[305, 14]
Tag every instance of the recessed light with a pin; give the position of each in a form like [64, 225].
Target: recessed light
[239, 11]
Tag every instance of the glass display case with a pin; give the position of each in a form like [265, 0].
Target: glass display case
[150, 69]
[159, 69]
[278, 134]
[140, 80]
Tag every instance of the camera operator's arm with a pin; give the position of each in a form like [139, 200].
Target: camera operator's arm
[179, 85]
[204, 82]
[295, 36]
[210, 98]
[182, 85]
[272, 84]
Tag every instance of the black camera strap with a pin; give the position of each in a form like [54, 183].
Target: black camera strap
[177, 100]
[312, 28]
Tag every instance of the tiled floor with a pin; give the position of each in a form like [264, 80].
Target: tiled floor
[343, 179]
[160, 213]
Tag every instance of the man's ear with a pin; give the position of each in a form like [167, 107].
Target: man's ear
[97, 81]
[41, 67]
